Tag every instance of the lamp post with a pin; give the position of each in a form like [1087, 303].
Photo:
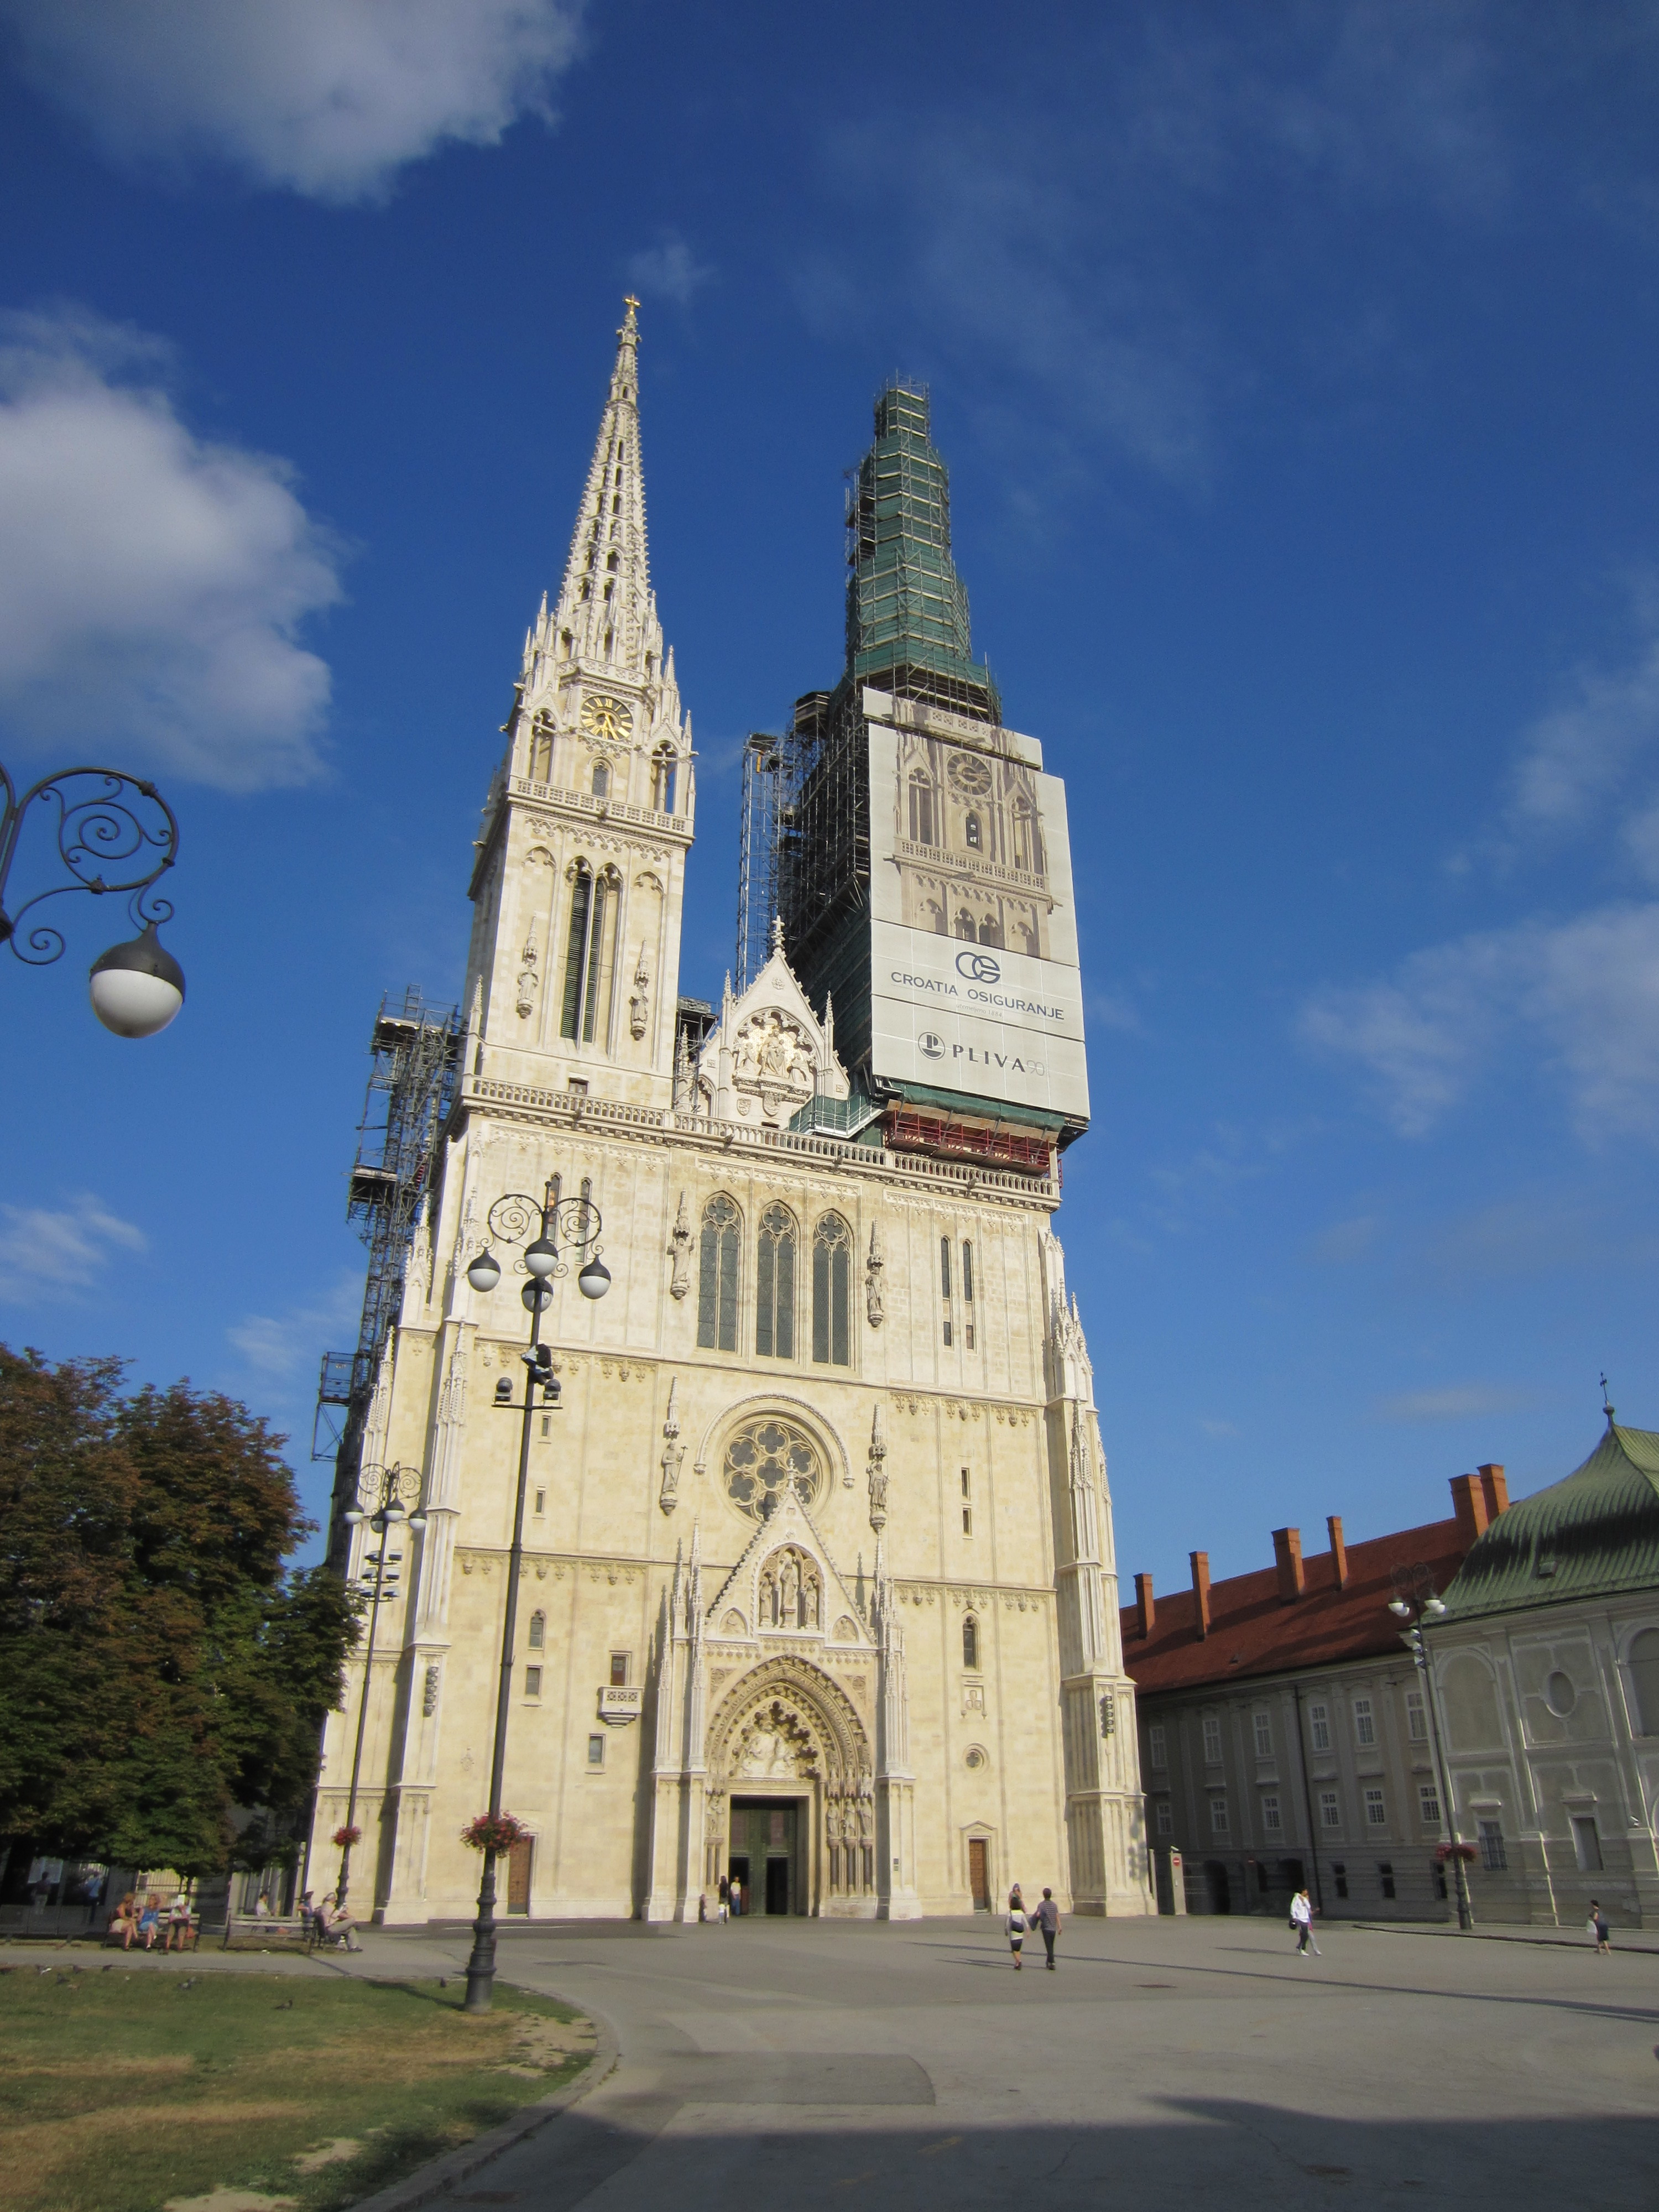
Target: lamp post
[578, 1222]
[1414, 1602]
[383, 1496]
[104, 817]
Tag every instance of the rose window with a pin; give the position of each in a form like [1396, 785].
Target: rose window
[764, 1460]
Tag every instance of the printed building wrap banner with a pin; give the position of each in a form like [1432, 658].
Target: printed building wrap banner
[975, 980]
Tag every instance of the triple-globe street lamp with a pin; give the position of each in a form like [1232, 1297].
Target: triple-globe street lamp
[574, 1223]
[114, 833]
[385, 1495]
[1414, 1602]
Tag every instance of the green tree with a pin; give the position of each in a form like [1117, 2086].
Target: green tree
[158, 1665]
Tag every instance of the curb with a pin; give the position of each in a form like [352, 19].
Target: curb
[1555, 1943]
[442, 2173]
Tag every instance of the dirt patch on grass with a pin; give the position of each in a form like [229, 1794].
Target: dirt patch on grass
[145, 2091]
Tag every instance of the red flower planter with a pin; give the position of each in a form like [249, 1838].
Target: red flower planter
[496, 1834]
[345, 1836]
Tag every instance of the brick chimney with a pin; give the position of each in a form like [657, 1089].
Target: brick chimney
[1338, 1551]
[1469, 1503]
[1287, 1556]
[1495, 1483]
[1201, 1590]
[1144, 1605]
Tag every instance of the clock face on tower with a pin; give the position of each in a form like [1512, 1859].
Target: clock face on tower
[606, 717]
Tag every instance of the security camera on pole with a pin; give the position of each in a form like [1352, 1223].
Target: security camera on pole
[576, 1221]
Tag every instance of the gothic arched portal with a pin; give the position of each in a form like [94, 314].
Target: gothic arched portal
[785, 1730]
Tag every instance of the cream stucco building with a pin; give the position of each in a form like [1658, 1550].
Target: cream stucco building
[818, 1581]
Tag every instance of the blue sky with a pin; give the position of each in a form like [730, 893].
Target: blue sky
[1295, 365]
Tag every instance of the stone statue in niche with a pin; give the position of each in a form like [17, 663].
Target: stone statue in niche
[639, 1006]
[680, 1250]
[673, 1452]
[872, 1267]
[791, 1594]
[527, 978]
[788, 1591]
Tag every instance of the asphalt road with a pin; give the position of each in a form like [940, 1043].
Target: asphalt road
[804, 2063]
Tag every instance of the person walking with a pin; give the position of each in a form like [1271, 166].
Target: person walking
[1047, 1917]
[737, 1898]
[725, 1899]
[1599, 1929]
[1301, 1922]
[1016, 1925]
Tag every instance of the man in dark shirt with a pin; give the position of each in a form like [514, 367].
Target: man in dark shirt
[1047, 1917]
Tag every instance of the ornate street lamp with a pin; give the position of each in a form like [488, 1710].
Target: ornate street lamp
[1414, 1601]
[138, 986]
[574, 1223]
[385, 1495]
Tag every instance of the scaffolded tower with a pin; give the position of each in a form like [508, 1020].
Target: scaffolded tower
[907, 634]
[411, 1090]
[766, 770]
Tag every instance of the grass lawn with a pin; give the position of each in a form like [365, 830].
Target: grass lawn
[125, 2091]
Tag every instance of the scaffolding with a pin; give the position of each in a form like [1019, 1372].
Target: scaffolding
[416, 1053]
[771, 777]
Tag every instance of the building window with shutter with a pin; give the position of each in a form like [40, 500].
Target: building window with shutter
[1377, 1811]
[1330, 1809]
[1264, 1736]
[1272, 1824]
[1417, 1718]
[1428, 1804]
[1364, 1722]
[1212, 1740]
[1219, 1822]
[1319, 1725]
[1158, 1746]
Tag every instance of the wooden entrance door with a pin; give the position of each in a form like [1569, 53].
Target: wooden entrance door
[978, 1872]
[518, 1876]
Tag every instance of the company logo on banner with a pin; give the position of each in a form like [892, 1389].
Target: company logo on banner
[975, 985]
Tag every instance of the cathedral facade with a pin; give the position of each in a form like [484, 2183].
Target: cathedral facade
[818, 1585]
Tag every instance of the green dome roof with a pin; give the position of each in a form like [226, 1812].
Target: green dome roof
[1594, 1532]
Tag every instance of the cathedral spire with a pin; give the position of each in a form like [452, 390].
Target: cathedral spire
[606, 613]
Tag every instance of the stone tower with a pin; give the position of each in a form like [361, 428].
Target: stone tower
[819, 1586]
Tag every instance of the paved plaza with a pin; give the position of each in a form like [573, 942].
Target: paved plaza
[798, 2062]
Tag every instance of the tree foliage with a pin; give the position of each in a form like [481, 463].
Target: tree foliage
[159, 1664]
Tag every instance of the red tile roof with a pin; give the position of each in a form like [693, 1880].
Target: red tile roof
[1253, 1631]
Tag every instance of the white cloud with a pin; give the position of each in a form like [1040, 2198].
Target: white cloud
[1345, 1242]
[152, 583]
[1454, 1402]
[669, 270]
[284, 1345]
[1581, 753]
[1584, 994]
[51, 1254]
[329, 98]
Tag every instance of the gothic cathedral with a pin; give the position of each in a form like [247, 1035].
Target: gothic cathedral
[818, 1587]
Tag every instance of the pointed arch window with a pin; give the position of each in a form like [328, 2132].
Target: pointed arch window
[541, 753]
[990, 932]
[590, 965]
[775, 1284]
[601, 780]
[611, 560]
[537, 1632]
[717, 1275]
[970, 1644]
[965, 924]
[921, 809]
[832, 1292]
[971, 831]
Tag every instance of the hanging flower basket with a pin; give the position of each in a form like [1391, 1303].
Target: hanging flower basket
[496, 1832]
[1466, 1851]
[344, 1837]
